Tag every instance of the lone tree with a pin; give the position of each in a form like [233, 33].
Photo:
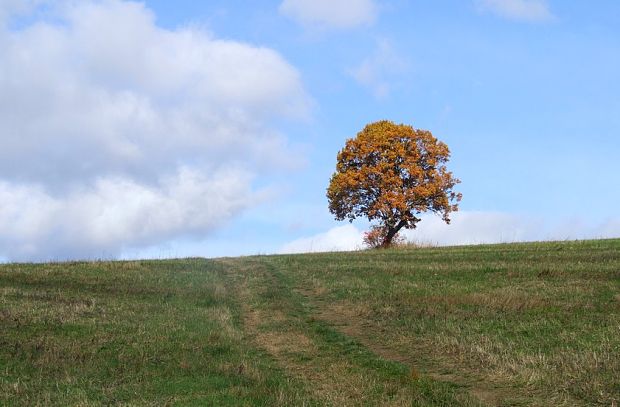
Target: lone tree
[391, 173]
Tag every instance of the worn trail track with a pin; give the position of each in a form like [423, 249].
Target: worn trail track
[298, 334]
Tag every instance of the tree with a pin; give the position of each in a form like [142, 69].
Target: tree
[391, 173]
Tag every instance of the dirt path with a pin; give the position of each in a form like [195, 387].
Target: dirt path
[296, 350]
[373, 337]
[335, 371]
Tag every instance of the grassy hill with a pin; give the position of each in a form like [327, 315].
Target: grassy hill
[508, 325]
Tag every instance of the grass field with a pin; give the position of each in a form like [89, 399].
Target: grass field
[507, 325]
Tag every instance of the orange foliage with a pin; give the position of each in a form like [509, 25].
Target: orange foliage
[375, 237]
[391, 173]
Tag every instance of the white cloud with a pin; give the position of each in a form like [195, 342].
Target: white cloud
[101, 219]
[466, 228]
[115, 132]
[340, 238]
[474, 228]
[470, 227]
[330, 13]
[521, 10]
[379, 70]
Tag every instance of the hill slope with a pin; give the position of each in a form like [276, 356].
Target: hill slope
[517, 324]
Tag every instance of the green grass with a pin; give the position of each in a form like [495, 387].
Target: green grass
[134, 333]
[507, 325]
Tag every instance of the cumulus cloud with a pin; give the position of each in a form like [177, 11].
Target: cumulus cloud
[115, 132]
[97, 221]
[520, 10]
[467, 227]
[330, 13]
[377, 71]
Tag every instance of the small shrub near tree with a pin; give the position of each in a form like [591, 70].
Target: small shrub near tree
[374, 237]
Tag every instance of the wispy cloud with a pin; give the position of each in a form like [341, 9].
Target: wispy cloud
[326, 14]
[16, 7]
[520, 10]
[379, 70]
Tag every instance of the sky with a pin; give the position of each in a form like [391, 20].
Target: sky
[170, 129]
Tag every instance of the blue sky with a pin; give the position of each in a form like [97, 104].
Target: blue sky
[163, 129]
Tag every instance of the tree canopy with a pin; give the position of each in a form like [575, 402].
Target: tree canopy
[391, 173]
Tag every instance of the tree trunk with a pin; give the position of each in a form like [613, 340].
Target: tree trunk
[392, 231]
